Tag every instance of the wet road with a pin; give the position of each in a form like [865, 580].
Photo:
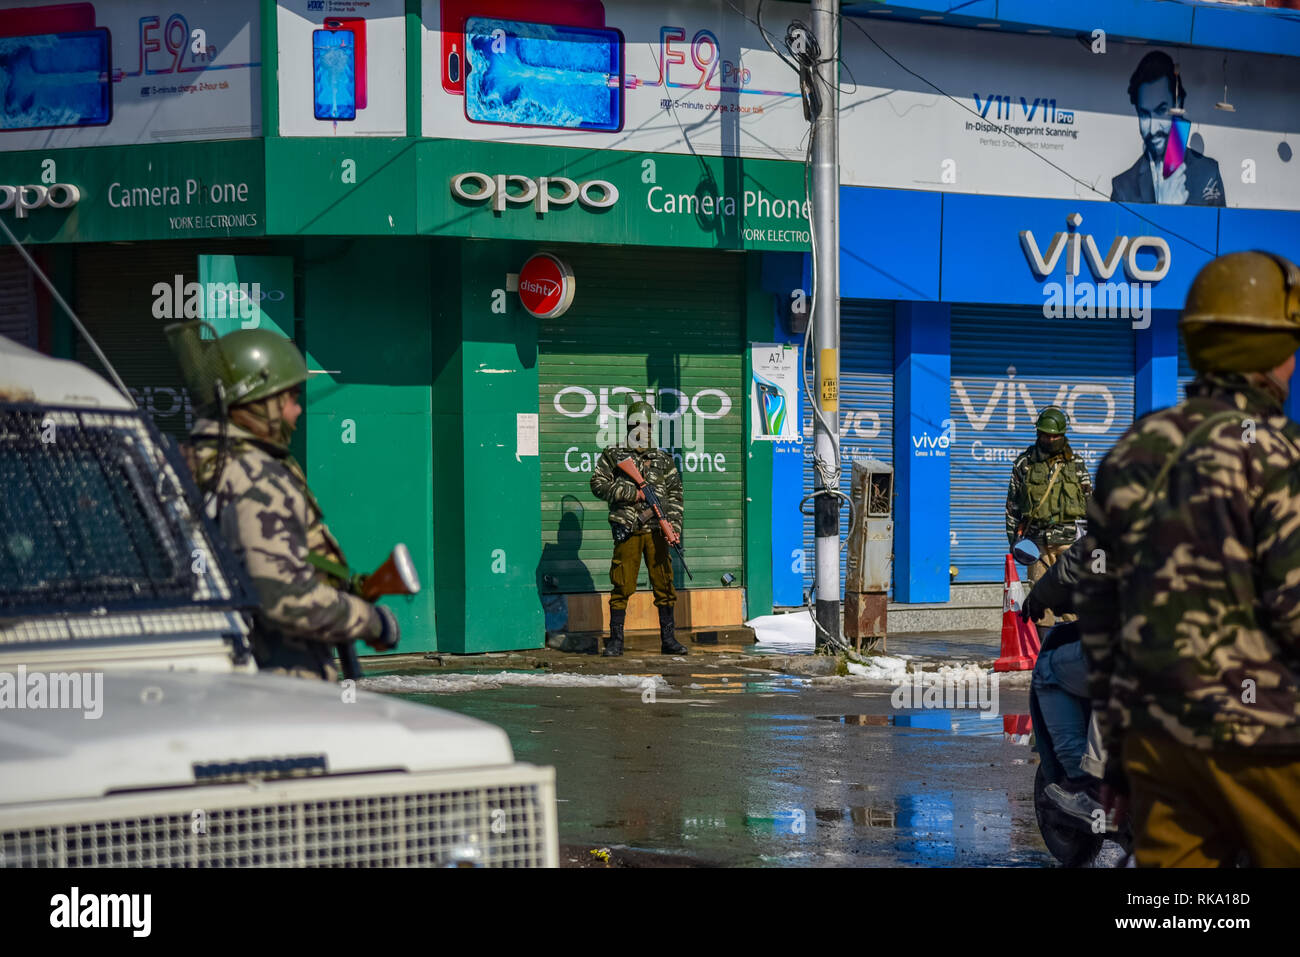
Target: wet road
[732, 768]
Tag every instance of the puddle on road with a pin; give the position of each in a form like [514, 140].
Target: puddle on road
[781, 684]
[924, 828]
[1015, 728]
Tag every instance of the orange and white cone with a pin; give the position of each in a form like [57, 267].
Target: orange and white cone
[1019, 638]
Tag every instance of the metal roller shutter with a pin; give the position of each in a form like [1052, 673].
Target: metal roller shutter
[115, 298]
[17, 299]
[1008, 363]
[1185, 371]
[866, 408]
[670, 324]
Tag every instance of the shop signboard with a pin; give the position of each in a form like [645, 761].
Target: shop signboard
[675, 77]
[128, 71]
[1050, 117]
[504, 191]
[124, 193]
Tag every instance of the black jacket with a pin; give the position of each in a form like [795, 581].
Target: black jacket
[1204, 184]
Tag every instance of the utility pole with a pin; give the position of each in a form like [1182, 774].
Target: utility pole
[826, 317]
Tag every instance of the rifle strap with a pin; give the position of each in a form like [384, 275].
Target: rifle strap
[1051, 484]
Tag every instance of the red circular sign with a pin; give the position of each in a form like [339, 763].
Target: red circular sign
[546, 286]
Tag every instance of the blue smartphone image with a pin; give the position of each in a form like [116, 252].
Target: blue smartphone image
[771, 402]
[334, 57]
[539, 74]
[55, 80]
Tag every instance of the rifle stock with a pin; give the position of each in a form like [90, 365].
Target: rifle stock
[396, 576]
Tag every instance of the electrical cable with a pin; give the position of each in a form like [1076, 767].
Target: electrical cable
[45, 280]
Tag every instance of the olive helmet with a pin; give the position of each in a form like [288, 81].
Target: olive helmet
[262, 363]
[1242, 313]
[1053, 421]
[240, 367]
[640, 423]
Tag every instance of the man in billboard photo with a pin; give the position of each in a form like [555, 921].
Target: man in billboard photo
[1193, 179]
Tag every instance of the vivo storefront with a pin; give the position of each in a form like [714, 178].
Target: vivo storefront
[968, 316]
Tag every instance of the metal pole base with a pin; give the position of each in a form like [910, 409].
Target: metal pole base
[828, 616]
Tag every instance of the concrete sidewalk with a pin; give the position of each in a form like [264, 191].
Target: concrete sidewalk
[641, 655]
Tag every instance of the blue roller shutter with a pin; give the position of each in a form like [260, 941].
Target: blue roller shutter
[1185, 371]
[1008, 363]
[866, 407]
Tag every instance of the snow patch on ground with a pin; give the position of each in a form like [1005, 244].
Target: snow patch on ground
[441, 684]
[892, 669]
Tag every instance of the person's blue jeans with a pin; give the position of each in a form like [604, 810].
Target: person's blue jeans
[1061, 683]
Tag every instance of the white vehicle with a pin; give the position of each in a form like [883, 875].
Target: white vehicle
[134, 728]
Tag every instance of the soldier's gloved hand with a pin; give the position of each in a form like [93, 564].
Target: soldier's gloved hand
[389, 633]
[1031, 609]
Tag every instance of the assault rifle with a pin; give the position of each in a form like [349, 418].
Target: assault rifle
[628, 468]
[396, 576]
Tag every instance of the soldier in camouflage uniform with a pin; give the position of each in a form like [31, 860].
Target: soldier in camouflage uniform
[1047, 494]
[635, 530]
[266, 512]
[1192, 625]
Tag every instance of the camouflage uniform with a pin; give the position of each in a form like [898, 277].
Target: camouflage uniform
[1051, 537]
[1192, 630]
[635, 529]
[269, 516]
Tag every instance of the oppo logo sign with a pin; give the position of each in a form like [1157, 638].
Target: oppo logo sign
[1078, 246]
[513, 190]
[23, 199]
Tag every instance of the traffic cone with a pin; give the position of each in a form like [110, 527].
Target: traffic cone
[1019, 638]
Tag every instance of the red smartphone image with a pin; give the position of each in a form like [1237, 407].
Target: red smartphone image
[358, 27]
[53, 18]
[560, 13]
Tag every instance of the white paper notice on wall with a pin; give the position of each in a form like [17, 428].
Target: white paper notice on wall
[525, 434]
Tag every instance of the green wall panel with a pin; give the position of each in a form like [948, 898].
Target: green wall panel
[366, 321]
[502, 521]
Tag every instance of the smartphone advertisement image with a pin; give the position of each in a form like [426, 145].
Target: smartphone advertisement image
[614, 74]
[334, 74]
[535, 74]
[355, 65]
[124, 72]
[56, 80]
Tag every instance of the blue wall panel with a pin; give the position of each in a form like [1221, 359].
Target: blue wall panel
[983, 260]
[889, 243]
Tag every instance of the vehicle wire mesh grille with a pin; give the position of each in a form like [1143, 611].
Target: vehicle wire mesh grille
[495, 826]
[94, 515]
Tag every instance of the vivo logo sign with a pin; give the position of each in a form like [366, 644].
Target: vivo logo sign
[23, 199]
[543, 193]
[1077, 246]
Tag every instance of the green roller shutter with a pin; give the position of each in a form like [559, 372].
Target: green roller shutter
[665, 326]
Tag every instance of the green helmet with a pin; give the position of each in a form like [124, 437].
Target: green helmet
[261, 363]
[640, 424]
[1052, 421]
[249, 364]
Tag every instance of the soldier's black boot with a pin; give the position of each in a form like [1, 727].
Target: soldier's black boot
[614, 643]
[668, 643]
